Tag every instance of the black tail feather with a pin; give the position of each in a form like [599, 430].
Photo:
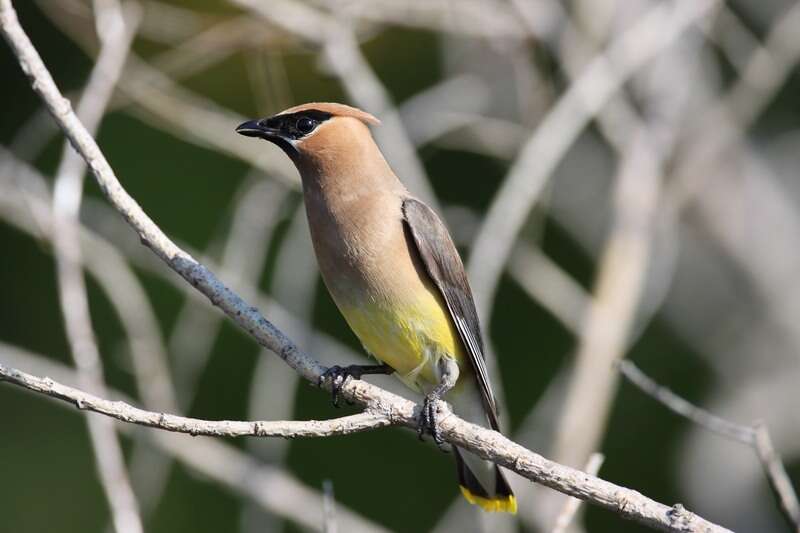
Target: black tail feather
[497, 498]
[502, 487]
[467, 479]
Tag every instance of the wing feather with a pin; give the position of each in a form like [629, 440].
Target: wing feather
[444, 266]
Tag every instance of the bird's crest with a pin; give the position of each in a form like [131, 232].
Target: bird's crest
[337, 110]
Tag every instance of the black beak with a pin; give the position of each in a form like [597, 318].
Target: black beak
[255, 128]
[259, 128]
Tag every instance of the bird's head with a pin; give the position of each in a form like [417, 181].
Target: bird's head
[315, 134]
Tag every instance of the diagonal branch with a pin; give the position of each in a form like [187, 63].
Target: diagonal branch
[483, 442]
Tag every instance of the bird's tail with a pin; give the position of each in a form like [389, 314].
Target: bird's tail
[483, 483]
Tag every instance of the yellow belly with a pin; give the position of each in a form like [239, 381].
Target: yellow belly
[410, 337]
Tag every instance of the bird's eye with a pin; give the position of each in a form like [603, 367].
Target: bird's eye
[305, 125]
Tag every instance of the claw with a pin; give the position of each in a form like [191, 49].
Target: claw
[338, 376]
[428, 420]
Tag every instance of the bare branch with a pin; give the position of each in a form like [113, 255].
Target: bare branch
[193, 426]
[777, 477]
[485, 443]
[675, 403]
[757, 437]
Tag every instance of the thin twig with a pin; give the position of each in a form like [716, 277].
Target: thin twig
[701, 417]
[778, 478]
[485, 443]
[193, 426]
[756, 436]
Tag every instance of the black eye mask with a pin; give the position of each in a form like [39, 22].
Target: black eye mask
[283, 129]
[296, 125]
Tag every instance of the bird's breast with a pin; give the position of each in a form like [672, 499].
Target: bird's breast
[370, 267]
[408, 337]
[360, 245]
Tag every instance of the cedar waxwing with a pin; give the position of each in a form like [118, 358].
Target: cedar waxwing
[395, 274]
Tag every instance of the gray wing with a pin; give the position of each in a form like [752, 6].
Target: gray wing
[444, 266]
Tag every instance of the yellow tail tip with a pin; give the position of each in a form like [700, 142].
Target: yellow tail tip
[501, 504]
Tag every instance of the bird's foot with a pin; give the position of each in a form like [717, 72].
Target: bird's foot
[338, 377]
[428, 419]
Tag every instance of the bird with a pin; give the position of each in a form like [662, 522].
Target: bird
[392, 269]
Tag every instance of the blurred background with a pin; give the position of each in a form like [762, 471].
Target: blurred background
[621, 177]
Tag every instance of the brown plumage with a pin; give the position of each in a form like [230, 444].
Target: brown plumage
[393, 271]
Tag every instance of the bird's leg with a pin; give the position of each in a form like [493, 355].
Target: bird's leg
[448, 375]
[339, 374]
